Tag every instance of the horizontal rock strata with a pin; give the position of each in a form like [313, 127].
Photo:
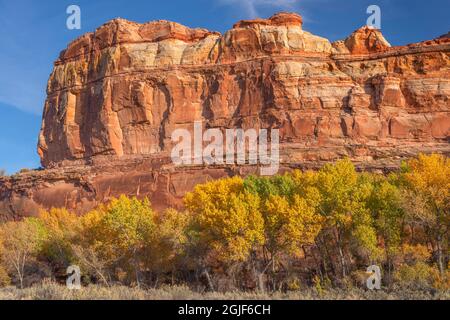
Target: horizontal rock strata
[116, 95]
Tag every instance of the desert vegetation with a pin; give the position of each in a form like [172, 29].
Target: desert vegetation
[301, 235]
[48, 290]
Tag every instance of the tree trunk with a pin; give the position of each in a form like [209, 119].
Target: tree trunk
[260, 280]
[328, 257]
[440, 257]
[208, 278]
[342, 258]
[341, 255]
[21, 281]
[136, 269]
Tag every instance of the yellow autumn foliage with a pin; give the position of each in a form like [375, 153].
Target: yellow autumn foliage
[289, 226]
[226, 218]
[256, 231]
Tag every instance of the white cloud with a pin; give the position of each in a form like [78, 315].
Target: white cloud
[252, 7]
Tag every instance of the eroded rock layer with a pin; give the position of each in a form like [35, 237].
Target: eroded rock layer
[116, 95]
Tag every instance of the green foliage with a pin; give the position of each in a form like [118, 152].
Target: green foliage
[264, 232]
[265, 187]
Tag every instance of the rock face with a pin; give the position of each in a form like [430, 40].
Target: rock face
[366, 40]
[116, 95]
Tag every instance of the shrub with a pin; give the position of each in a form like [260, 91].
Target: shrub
[419, 275]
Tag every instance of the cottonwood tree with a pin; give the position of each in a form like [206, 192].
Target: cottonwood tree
[427, 200]
[389, 217]
[125, 227]
[167, 252]
[288, 227]
[62, 228]
[227, 224]
[343, 205]
[21, 242]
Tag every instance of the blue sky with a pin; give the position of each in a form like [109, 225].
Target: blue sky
[33, 33]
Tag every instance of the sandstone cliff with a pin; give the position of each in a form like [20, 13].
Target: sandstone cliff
[115, 96]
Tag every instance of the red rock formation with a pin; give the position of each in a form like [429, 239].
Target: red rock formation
[366, 40]
[116, 95]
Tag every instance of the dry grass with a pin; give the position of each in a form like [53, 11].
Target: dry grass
[53, 291]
